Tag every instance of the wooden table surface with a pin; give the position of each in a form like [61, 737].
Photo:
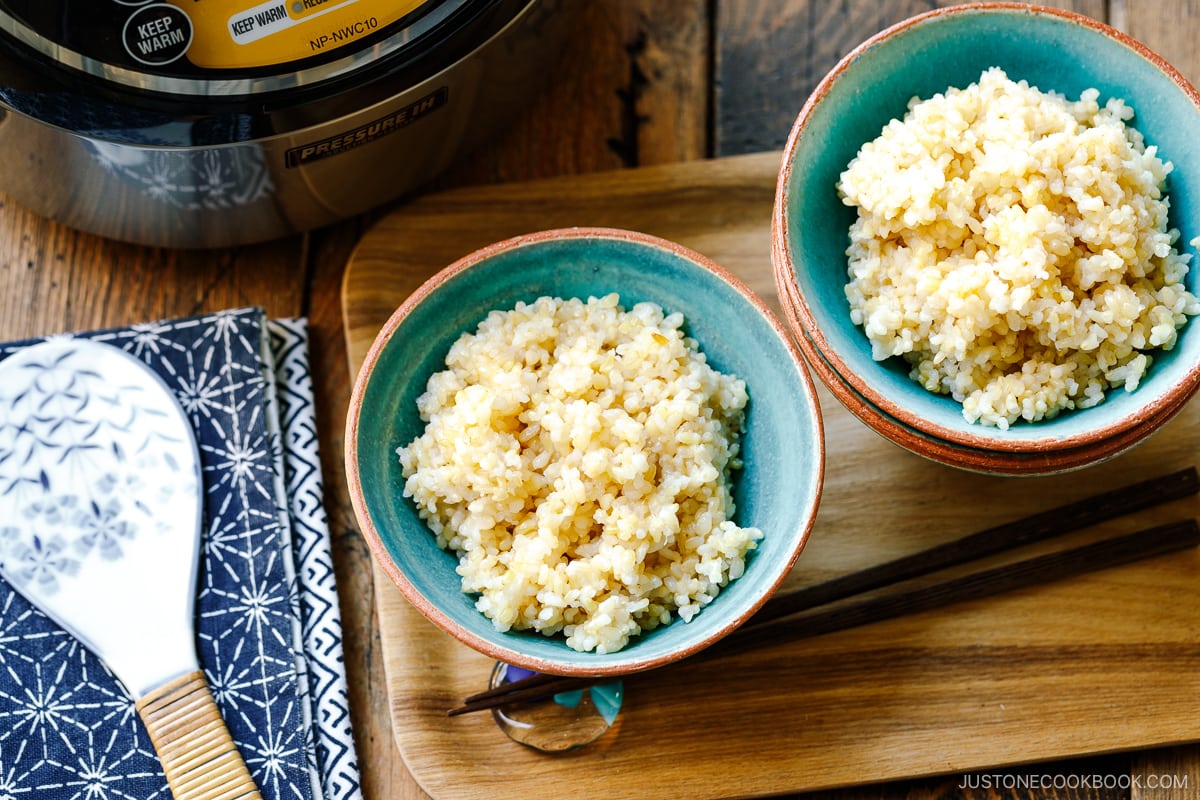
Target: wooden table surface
[644, 82]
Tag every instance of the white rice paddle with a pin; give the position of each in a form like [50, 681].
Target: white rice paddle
[100, 507]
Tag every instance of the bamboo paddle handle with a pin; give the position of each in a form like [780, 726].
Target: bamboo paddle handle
[197, 753]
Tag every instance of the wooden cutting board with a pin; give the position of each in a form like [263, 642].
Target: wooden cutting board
[1097, 664]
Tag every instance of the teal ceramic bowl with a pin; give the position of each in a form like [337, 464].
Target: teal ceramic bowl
[778, 489]
[1053, 50]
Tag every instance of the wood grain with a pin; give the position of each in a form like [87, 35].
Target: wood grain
[632, 89]
[1084, 667]
[770, 55]
[60, 280]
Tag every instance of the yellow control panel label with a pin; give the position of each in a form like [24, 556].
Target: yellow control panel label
[232, 34]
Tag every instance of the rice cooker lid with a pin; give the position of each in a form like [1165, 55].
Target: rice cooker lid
[261, 61]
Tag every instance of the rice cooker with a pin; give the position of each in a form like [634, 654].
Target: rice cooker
[211, 123]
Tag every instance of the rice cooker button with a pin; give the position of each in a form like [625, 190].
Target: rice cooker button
[157, 34]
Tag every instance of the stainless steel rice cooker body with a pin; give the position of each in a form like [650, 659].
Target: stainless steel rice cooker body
[207, 123]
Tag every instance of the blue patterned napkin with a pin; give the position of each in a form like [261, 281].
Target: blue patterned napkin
[268, 623]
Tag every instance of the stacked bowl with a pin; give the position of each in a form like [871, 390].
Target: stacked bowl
[1057, 52]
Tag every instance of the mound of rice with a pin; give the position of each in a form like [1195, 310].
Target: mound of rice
[1013, 247]
[577, 458]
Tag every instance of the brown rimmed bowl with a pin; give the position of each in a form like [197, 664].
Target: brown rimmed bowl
[777, 490]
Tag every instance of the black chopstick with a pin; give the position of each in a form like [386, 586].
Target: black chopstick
[530, 689]
[515, 688]
[1008, 536]
[1037, 527]
[1068, 563]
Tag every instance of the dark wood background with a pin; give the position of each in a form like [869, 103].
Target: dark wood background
[643, 82]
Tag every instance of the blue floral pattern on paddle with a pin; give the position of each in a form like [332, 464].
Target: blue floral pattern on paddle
[79, 450]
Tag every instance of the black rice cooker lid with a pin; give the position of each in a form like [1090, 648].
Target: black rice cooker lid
[253, 68]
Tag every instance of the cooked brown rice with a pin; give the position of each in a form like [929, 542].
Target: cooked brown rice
[577, 458]
[1013, 247]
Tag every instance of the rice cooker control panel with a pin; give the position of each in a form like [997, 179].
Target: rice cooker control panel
[204, 38]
